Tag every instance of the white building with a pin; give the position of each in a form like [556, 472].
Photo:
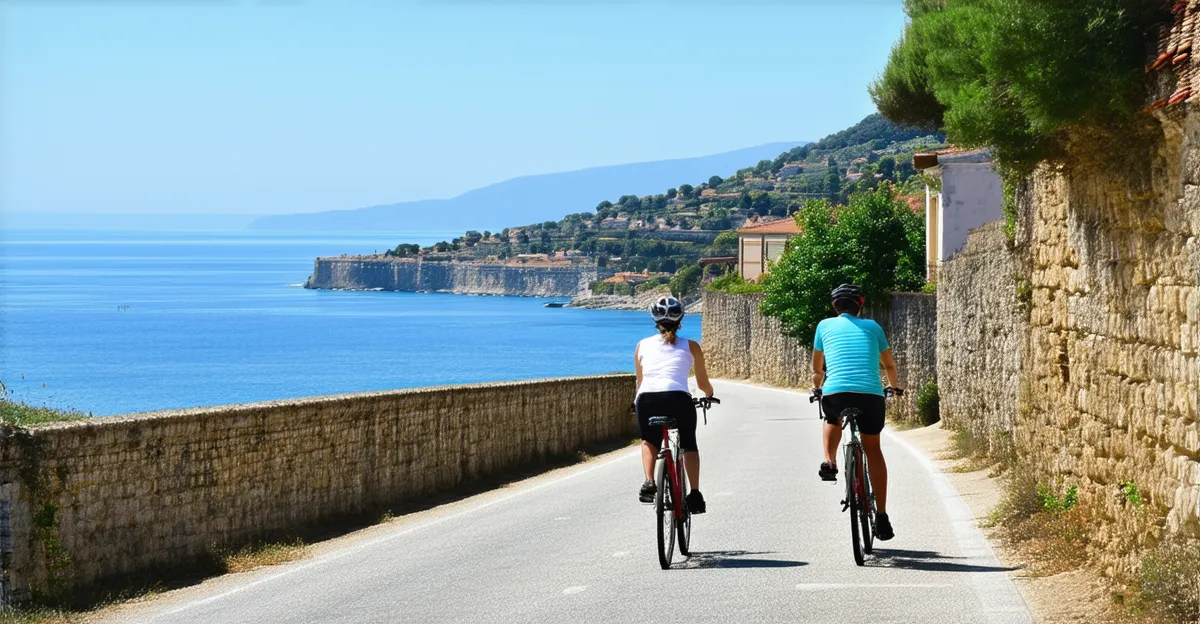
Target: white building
[759, 244]
[971, 195]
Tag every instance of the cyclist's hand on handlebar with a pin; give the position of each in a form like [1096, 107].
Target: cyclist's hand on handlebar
[816, 396]
[893, 392]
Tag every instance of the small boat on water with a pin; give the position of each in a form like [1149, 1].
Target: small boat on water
[554, 304]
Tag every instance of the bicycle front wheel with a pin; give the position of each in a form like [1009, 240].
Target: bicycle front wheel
[664, 506]
[684, 524]
[852, 489]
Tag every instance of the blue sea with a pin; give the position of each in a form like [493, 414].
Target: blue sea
[119, 322]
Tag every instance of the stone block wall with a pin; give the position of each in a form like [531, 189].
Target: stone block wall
[128, 494]
[1079, 342]
[741, 343]
[981, 325]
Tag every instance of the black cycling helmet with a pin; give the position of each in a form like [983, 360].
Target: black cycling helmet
[667, 309]
[849, 291]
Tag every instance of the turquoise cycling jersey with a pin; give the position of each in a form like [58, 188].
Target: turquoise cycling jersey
[852, 346]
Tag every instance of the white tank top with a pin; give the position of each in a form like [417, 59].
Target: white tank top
[665, 367]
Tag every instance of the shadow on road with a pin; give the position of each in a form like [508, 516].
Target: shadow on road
[733, 559]
[926, 560]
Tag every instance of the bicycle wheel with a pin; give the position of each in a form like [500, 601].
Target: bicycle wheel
[853, 503]
[867, 513]
[664, 505]
[684, 525]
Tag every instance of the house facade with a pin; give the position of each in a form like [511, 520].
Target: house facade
[762, 243]
[971, 195]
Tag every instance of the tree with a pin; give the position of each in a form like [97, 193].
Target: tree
[522, 237]
[763, 168]
[887, 168]
[714, 181]
[602, 261]
[1024, 77]
[833, 183]
[761, 204]
[687, 281]
[545, 237]
[671, 193]
[472, 237]
[686, 190]
[604, 205]
[726, 243]
[873, 242]
[744, 202]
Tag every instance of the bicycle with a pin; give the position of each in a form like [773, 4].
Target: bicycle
[670, 480]
[860, 498]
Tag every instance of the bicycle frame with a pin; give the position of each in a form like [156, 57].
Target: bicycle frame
[861, 479]
[666, 454]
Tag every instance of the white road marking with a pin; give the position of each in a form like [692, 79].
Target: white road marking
[563, 518]
[622, 553]
[574, 590]
[833, 586]
[723, 494]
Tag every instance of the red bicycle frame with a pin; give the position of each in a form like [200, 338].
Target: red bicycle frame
[672, 476]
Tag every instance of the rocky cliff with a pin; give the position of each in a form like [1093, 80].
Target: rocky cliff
[406, 275]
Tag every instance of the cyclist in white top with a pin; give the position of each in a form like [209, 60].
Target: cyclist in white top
[663, 364]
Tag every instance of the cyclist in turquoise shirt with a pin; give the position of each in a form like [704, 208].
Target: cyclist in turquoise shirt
[847, 354]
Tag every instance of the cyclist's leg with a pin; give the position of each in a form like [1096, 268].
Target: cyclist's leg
[686, 414]
[877, 469]
[870, 425]
[645, 405]
[831, 433]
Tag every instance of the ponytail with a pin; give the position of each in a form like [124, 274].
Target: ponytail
[668, 329]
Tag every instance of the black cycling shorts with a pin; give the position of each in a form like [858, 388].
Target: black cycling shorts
[870, 422]
[677, 405]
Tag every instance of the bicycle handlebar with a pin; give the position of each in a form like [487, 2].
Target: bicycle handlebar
[889, 392]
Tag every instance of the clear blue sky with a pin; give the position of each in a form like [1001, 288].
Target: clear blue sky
[266, 107]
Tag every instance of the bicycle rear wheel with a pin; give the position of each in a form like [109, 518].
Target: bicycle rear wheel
[852, 489]
[684, 525]
[664, 505]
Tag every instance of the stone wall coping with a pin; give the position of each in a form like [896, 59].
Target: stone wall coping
[243, 408]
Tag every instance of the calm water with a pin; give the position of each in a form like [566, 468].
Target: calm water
[112, 322]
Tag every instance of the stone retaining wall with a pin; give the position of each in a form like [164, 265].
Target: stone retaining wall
[741, 343]
[97, 500]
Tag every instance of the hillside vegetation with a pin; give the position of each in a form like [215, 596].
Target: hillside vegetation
[668, 231]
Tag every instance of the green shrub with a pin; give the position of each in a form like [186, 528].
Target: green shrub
[687, 281]
[734, 284]
[17, 413]
[930, 287]
[929, 403]
[1052, 503]
[1129, 490]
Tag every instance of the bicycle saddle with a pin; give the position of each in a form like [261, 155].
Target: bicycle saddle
[662, 421]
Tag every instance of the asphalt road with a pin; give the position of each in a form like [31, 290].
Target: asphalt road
[574, 545]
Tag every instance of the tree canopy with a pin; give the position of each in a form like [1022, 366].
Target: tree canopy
[1017, 75]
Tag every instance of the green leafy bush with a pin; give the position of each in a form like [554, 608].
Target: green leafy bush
[876, 242]
[686, 282]
[929, 403]
[1018, 75]
[1052, 503]
[1130, 491]
[734, 284]
[16, 413]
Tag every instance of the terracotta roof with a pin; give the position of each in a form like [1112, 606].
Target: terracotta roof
[782, 226]
[1174, 53]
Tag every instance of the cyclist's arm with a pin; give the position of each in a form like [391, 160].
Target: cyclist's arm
[637, 366]
[889, 366]
[818, 367]
[702, 381]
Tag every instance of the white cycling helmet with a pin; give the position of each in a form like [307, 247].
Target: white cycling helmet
[667, 309]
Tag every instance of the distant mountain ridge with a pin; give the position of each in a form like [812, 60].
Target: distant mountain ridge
[527, 199]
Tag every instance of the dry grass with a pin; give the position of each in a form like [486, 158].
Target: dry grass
[41, 616]
[1169, 580]
[258, 555]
